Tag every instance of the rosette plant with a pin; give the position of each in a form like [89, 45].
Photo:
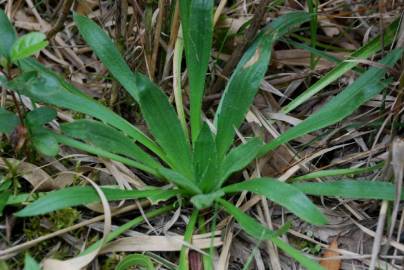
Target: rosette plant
[195, 158]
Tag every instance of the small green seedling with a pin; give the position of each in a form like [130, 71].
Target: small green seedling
[200, 164]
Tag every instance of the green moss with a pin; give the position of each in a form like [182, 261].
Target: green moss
[64, 218]
[57, 220]
[110, 262]
[306, 246]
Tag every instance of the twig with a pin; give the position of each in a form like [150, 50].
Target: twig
[175, 24]
[120, 30]
[67, 4]
[31, 243]
[156, 40]
[238, 52]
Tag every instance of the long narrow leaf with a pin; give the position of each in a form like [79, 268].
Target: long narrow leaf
[351, 189]
[362, 90]
[239, 157]
[197, 28]
[158, 113]
[245, 81]
[8, 35]
[165, 125]
[335, 172]
[92, 149]
[260, 232]
[283, 194]
[180, 180]
[205, 160]
[43, 85]
[74, 196]
[109, 139]
[367, 50]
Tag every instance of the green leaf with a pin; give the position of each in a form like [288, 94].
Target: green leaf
[245, 81]
[135, 260]
[157, 111]
[30, 263]
[283, 194]
[164, 125]
[351, 189]
[103, 153]
[336, 172]
[73, 196]
[4, 195]
[197, 28]
[42, 139]
[109, 139]
[202, 201]
[40, 116]
[205, 160]
[45, 86]
[367, 50]
[239, 157]
[8, 121]
[260, 232]
[342, 105]
[45, 142]
[7, 35]
[107, 52]
[180, 180]
[28, 45]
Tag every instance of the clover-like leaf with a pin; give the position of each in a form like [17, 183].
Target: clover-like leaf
[28, 45]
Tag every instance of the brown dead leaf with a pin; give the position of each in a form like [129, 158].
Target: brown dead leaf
[253, 59]
[300, 57]
[162, 243]
[84, 7]
[36, 176]
[331, 264]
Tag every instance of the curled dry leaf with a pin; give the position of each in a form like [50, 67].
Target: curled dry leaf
[328, 263]
[83, 260]
[162, 243]
[36, 176]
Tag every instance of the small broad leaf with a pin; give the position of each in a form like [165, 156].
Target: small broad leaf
[260, 232]
[351, 189]
[197, 28]
[44, 142]
[342, 105]
[42, 139]
[40, 116]
[28, 45]
[135, 260]
[74, 196]
[7, 35]
[109, 139]
[179, 180]
[8, 121]
[202, 201]
[283, 194]
[245, 80]
[239, 157]
[30, 263]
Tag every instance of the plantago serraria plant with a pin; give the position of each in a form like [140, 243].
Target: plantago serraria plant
[199, 166]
